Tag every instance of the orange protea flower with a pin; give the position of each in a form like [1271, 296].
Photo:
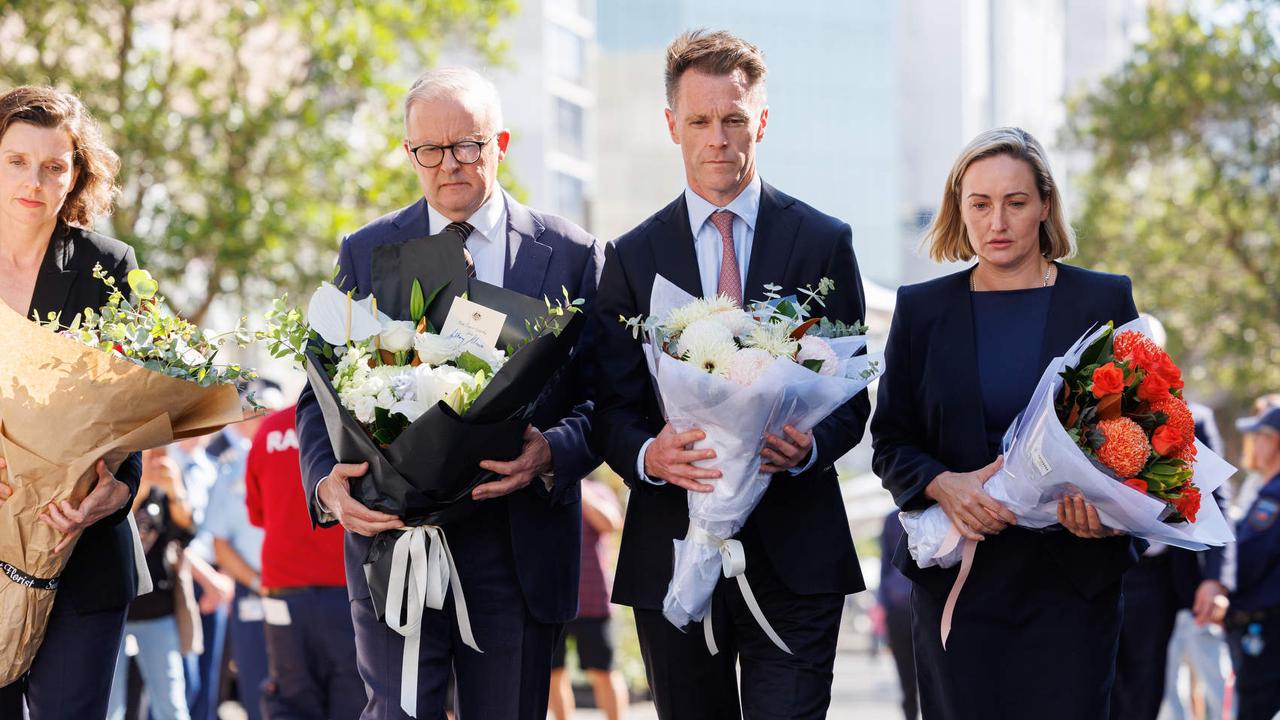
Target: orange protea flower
[1125, 449]
[1133, 346]
[1175, 408]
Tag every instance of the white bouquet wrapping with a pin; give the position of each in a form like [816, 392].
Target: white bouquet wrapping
[1043, 462]
[737, 384]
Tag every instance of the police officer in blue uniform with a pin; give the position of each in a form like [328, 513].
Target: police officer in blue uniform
[1253, 622]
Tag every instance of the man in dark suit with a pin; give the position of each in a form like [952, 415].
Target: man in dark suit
[517, 555]
[731, 234]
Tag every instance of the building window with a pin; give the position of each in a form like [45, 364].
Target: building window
[570, 127]
[571, 197]
[568, 54]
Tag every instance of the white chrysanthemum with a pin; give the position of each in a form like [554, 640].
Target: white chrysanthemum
[815, 348]
[738, 321]
[396, 336]
[748, 364]
[773, 338]
[712, 357]
[707, 331]
[435, 349]
[684, 316]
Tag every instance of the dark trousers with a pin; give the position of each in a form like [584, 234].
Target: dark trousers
[1257, 676]
[898, 624]
[312, 660]
[72, 672]
[204, 671]
[1150, 608]
[509, 680]
[688, 682]
[249, 650]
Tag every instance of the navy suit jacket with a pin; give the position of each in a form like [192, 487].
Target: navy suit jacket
[929, 416]
[545, 527]
[100, 574]
[800, 524]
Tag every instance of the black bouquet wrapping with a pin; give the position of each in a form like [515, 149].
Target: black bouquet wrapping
[426, 475]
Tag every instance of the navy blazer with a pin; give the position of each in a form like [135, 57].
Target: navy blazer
[101, 573]
[800, 523]
[554, 254]
[929, 416]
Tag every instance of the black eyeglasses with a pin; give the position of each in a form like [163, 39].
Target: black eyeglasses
[466, 152]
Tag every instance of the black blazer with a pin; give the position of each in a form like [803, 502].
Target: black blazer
[100, 573]
[929, 409]
[800, 522]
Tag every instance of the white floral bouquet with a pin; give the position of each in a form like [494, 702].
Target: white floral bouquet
[737, 374]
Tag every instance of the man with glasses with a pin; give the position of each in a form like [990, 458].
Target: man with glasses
[517, 554]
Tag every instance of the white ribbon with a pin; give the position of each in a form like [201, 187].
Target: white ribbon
[733, 563]
[426, 570]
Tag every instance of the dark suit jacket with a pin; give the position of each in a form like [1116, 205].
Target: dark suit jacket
[929, 409]
[545, 529]
[100, 573]
[800, 523]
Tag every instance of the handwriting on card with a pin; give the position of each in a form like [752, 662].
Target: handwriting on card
[476, 324]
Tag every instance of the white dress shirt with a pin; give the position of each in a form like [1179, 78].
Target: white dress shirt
[488, 242]
[708, 246]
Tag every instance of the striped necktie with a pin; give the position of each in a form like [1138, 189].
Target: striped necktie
[463, 231]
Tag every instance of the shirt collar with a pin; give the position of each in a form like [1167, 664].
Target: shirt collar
[745, 206]
[488, 220]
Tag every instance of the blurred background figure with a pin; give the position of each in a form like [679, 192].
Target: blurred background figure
[894, 595]
[237, 548]
[593, 637]
[1253, 621]
[311, 650]
[164, 526]
[211, 590]
[1170, 601]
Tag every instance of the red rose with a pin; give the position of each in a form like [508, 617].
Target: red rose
[1171, 373]
[1107, 380]
[1188, 503]
[1154, 388]
[1167, 440]
[1137, 484]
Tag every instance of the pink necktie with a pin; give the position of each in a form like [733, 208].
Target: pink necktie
[730, 284]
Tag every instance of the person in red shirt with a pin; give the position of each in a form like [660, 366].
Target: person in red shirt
[311, 651]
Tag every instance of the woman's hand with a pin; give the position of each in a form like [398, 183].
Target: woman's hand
[1080, 518]
[108, 496]
[970, 508]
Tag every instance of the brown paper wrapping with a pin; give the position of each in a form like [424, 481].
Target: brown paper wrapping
[63, 406]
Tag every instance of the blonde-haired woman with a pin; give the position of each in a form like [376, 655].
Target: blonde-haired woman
[1034, 632]
[56, 177]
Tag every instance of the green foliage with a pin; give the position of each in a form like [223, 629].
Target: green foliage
[1184, 191]
[252, 135]
[144, 332]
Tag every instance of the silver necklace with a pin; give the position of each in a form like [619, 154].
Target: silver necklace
[973, 282]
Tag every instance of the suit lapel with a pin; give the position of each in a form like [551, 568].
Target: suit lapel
[775, 238]
[673, 253]
[958, 341]
[414, 220]
[1062, 326]
[525, 272]
[53, 281]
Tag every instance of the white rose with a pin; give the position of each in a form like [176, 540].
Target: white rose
[747, 365]
[434, 349]
[363, 409]
[702, 333]
[397, 335]
[452, 380]
[815, 348]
